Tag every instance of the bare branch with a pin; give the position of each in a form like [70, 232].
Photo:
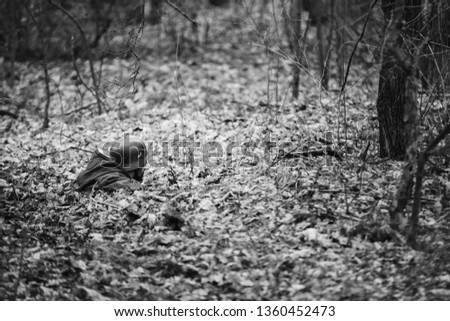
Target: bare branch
[88, 51]
[8, 113]
[355, 46]
[184, 14]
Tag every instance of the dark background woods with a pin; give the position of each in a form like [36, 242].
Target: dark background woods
[358, 90]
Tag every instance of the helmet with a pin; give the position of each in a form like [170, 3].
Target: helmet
[131, 153]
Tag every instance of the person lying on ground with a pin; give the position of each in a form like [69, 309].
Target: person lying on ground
[115, 166]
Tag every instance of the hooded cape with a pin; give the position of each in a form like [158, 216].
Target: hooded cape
[104, 173]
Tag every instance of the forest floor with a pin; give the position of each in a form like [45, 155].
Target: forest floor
[253, 225]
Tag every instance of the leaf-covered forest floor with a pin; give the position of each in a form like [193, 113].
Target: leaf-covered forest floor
[303, 228]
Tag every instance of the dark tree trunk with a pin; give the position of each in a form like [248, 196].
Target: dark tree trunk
[404, 21]
[297, 13]
[155, 12]
[322, 54]
[390, 105]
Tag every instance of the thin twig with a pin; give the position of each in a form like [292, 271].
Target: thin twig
[298, 64]
[344, 83]
[98, 202]
[184, 14]
[438, 139]
[77, 71]
[78, 109]
[355, 46]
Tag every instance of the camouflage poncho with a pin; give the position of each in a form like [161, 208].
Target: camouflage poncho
[104, 173]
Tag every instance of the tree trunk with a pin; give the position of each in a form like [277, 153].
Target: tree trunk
[322, 67]
[155, 12]
[434, 65]
[297, 13]
[390, 104]
[397, 97]
[402, 20]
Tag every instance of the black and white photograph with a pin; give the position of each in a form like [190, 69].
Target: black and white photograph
[261, 151]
